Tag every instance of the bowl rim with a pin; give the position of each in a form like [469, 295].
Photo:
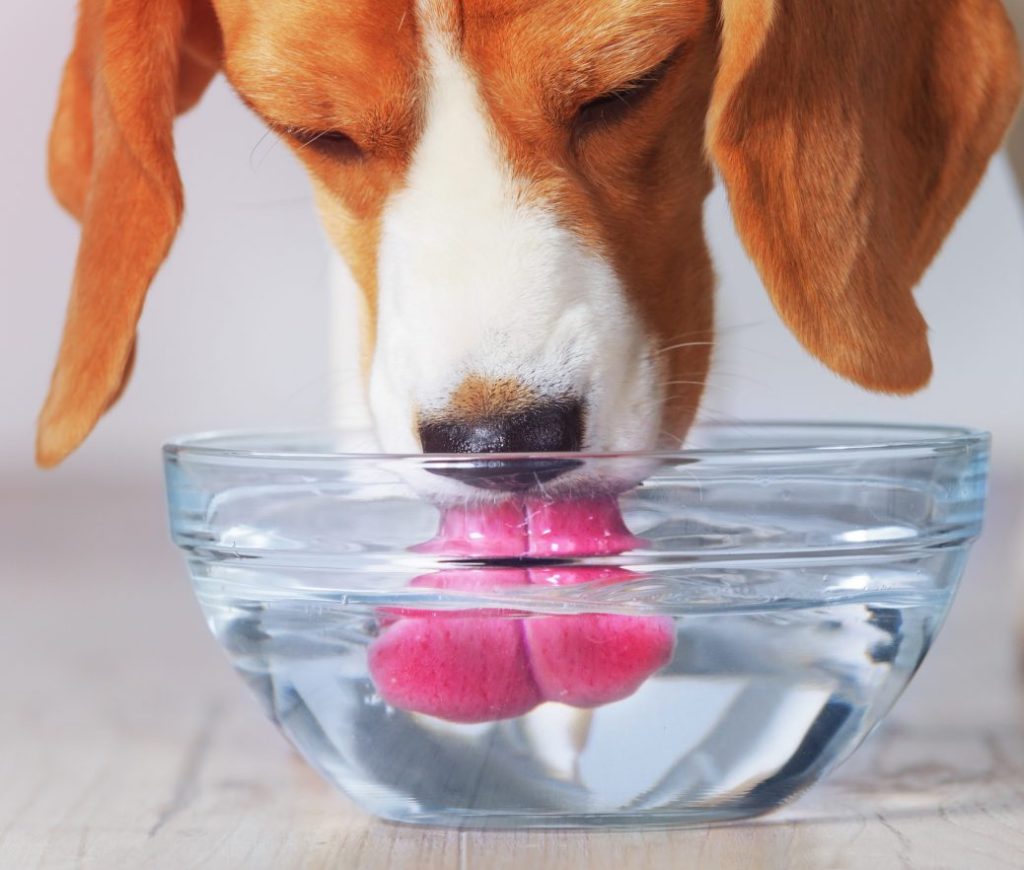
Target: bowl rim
[225, 444]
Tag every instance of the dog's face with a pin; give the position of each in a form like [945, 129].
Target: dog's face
[518, 189]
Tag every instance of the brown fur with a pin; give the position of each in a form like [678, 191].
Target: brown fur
[634, 190]
[849, 144]
[353, 66]
[849, 135]
[112, 167]
[478, 398]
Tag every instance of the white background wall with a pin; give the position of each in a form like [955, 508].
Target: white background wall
[234, 333]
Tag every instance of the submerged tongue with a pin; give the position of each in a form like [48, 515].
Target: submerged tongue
[467, 667]
[590, 659]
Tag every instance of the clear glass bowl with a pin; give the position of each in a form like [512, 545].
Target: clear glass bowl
[507, 653]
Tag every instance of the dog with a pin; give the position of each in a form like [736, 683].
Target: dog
[517, 189]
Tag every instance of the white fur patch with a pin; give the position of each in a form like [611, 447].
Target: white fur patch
[350, 409]
[477, 279]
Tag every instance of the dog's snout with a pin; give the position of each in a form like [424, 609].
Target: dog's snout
[551, 427]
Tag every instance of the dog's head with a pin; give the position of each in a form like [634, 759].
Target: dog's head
[518, 189]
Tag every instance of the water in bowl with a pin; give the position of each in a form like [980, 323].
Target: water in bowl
[765, 691]
[796, 576]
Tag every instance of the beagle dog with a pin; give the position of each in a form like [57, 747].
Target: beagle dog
[517, 189]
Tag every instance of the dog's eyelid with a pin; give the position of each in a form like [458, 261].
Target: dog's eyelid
[330, 143]
[615, 103]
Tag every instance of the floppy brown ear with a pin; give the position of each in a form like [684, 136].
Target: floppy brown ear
[850, 134]
[135, 64]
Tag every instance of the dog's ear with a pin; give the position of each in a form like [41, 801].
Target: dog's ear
[850, 135]
[135, 64]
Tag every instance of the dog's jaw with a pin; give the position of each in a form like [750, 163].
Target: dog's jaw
[479, 278]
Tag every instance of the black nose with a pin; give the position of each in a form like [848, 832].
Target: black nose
[552, 427]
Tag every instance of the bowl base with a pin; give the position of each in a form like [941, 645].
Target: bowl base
[646, 820]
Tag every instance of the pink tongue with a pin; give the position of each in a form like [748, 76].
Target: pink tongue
[460, 668]
[479, 669]
[591, 659]
[586, 527]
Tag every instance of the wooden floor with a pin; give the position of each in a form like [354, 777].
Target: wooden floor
[127, 741]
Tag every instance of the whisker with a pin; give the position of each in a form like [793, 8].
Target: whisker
[685, 344]
[682, 340]
[715, 415]
[678, 336]
[314, 140]
[693, 333]
[675, 442]
[252, 154]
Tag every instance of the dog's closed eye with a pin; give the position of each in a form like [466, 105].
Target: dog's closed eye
[328, 143]
[613, 106]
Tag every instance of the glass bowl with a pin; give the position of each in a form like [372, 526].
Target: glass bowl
[564, 640]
